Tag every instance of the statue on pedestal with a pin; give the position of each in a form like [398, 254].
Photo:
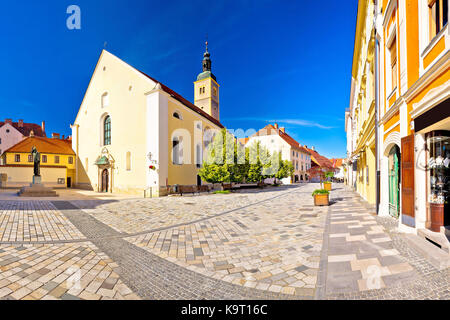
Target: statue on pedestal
[37, 161]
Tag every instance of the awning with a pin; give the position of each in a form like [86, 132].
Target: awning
[102, 161]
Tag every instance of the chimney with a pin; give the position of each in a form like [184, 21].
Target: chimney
[8, 121]
[306, 146]
[312, 148]
[55, 135]
[20, 123]
[43, 126]
[276, 125]
[283, 129]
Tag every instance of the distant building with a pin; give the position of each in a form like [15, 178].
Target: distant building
[318, 160]
[339, 168]
[57, 162]
[275, 139]
[12, 133]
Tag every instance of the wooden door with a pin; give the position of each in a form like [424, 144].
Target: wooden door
[407, 180]
[105, 180]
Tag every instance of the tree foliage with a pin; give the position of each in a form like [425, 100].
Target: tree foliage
[228, 161]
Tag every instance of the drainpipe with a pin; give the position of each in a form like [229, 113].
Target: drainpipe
[377, 164]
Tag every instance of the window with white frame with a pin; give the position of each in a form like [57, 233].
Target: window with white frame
[437, 16]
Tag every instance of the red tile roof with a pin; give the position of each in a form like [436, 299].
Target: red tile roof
[337, 162]
[26, 128]
[320, 160]
[270, 130]
[43, 145]
[186, 102]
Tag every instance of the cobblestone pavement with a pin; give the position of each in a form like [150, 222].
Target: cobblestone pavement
[59, 271]
[273, 245]
[251, 245]
[22, 221]
[144, 215]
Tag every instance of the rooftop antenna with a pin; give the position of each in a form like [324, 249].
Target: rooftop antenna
[105, 44]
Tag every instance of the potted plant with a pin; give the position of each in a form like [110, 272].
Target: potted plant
[321, 197]
[327, 183]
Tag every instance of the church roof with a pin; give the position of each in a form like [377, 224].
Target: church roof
[26, 128]
[186, 102]
[43, 145]
[206, 75]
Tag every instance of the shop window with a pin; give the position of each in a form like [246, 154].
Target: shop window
[438, 144]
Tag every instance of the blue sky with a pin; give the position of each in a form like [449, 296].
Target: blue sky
[288, 61]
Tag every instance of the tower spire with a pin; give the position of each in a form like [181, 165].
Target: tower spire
[206, 58]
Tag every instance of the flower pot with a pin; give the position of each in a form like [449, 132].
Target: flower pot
[327, 186]
[437, 216]
[321, 199]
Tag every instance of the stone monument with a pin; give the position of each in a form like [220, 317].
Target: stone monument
[36, 189]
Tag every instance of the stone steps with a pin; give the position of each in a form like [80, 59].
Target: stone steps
[439, 258]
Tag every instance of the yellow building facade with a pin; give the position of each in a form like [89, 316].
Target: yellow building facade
[410, 41]
[57, 163]
[360, 117]
[414, 109]
[133, 134]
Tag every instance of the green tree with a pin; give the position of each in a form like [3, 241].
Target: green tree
[286, 170]
[225, 160]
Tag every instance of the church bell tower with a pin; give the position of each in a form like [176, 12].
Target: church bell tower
[206, 88]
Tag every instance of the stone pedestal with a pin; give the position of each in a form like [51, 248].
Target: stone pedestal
[37, 180]
[37, 189]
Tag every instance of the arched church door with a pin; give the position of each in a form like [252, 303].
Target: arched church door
[105, 180]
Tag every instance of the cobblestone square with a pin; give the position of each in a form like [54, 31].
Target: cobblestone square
[252, 244]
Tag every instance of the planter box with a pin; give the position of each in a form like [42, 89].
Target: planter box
[322, 200]
[327, 186]
[437, 216]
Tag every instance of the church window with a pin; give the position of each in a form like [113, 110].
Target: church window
[198, 151]
[105, 100]
[107, 131]
[128, 162]
[176, 151]
[177, 115]
[215, 91]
